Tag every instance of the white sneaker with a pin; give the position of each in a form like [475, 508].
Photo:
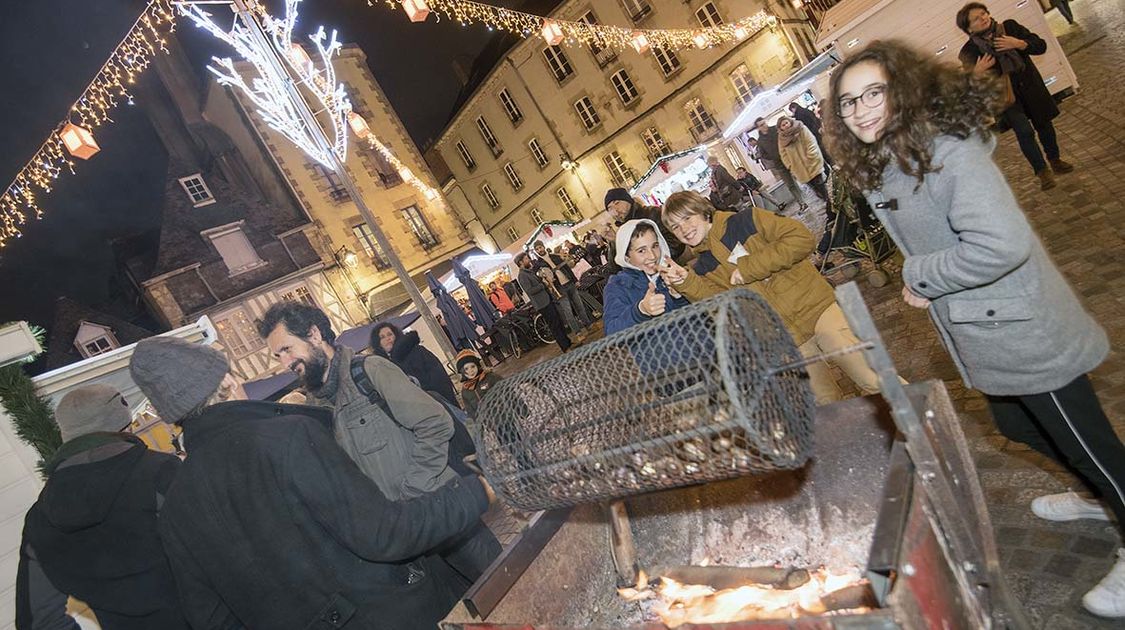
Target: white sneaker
[1107, 599]
[1068, 506]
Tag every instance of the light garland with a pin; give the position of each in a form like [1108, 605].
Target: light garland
[268, 90]
[108, 88]
[574, 33]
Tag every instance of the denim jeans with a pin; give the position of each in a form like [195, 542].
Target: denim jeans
[1026, 130]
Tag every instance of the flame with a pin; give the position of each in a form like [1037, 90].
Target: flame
[680, 604]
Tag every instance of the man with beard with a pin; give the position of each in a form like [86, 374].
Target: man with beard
[566, 282]
[621, 205]
[769, 154]
[541, 298]
[268, 524]
[397, 434]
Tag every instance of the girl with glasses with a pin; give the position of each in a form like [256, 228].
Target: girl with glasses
[914, 136]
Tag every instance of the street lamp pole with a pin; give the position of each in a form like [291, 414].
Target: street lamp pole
[308, 117]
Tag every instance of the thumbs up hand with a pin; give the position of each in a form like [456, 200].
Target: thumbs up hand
[653, 303]
[672, 272]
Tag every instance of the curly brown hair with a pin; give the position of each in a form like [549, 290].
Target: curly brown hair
[924, 98]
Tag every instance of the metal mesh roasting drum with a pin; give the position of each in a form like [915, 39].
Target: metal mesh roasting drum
[698, 394]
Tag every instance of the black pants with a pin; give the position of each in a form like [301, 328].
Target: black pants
[551, 314]
[1026, 130]
[820, 187]
[1069, 426]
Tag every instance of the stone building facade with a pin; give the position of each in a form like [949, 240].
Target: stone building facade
[609, 113]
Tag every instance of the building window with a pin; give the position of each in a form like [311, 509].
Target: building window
[299, 293]
[587, 113]
[384, 170]
[336, 191]
[654, 143]
[537, 152]
[371, 247]
[558, 63]
[234, 247]
[513, 233]
[626, 91]
[488, 137]
[418, 225]
[703, 126]
[536, 216]
[569, 209]
[489, 196]
[733, 156]
[466, 157]
[510, 107]
[743, 83]
[708, 15]
[97, 346]
[602, 53]
[669, 62]
[513, 176]
[197, 190]
[636, 9]
[620, 174]
[238, 333]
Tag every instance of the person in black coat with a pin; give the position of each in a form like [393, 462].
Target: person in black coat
[1004, 50]
[269, 524]
[623, 207]
[406, 351]
[93, 531]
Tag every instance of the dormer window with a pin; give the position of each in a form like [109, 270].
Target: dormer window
[94, 339]
[234, 247]
[197, 190]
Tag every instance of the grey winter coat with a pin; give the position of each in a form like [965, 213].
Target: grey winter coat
[405, 456]
[1007, 316]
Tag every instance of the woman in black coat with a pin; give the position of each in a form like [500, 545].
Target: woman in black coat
[1005, 50]
[405, 351]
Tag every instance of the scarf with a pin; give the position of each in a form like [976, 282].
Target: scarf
[473, 382]
[788, 137]
[1010, 61]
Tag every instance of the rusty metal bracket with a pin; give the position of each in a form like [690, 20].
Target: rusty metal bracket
[483, 596]
[972, 548]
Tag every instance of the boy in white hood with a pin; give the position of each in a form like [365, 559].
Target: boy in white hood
[637, 293]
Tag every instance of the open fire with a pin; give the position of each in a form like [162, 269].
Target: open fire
[811, 593]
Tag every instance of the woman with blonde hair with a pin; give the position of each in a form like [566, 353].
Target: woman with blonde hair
[914, 136]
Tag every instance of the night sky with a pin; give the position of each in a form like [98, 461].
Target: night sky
[48, 53]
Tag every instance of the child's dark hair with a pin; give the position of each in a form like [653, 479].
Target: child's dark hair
[639, 231]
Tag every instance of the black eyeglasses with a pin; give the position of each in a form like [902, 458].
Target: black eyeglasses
[871, 97]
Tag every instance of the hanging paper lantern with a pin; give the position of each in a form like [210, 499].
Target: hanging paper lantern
[640, 42]
[552, 32]
[548, 231]
[358, 125]
[664, 167]
[700, 40]
[79, 141]
[416, 10]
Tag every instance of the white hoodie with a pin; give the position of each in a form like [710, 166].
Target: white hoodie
[625, 233]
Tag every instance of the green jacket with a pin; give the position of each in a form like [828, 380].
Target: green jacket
[773, 258]
[407, 455]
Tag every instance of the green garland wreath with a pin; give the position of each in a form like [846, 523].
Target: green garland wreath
[32, 415]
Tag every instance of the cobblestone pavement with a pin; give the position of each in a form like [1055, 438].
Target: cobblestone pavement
[1082, 222]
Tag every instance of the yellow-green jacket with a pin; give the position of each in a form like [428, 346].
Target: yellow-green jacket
[772, 254]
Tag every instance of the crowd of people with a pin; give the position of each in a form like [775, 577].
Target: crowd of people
[359, 508]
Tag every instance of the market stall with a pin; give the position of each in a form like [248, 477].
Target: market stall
[686, 170]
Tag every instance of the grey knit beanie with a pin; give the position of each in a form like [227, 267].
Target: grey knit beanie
[177, 376]
[90, 409]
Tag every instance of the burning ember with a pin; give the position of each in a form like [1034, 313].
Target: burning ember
[678, 603]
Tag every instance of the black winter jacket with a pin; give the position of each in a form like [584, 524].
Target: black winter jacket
[1032, 95]
[270, 525]
[414, 359]
[93, 534]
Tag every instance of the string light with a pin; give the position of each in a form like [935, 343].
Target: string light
[574, 33]
[268, 92]
[109, 87]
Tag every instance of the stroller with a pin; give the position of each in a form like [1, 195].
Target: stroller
[858, 236]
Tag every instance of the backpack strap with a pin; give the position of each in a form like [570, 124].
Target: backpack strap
[363, 383]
